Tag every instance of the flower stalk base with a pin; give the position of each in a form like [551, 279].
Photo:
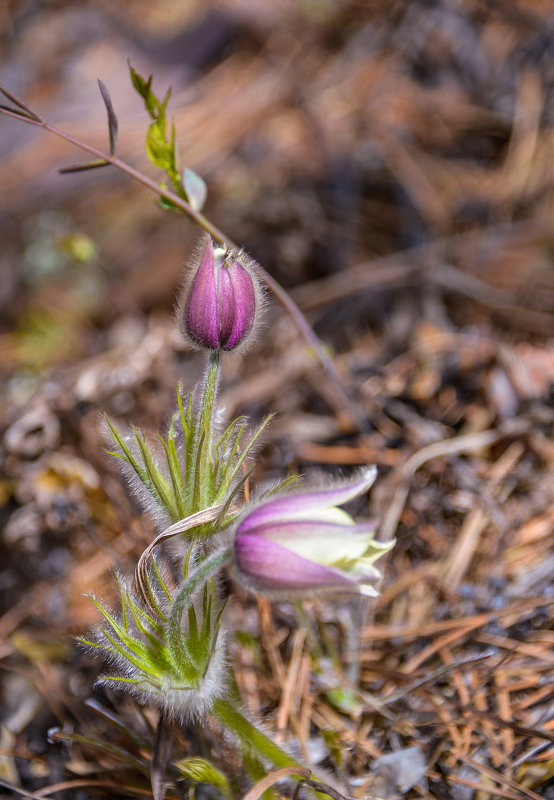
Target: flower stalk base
[250, 738]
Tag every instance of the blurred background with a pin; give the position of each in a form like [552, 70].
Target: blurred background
[391, 165]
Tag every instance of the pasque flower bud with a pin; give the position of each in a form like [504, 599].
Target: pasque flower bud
[302, 542]
[219, 304]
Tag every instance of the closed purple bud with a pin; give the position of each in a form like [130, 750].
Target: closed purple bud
[303, 542]
[220, 303]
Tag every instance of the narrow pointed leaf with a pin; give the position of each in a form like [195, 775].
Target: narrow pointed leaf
[174, 473]
[156, 480]
[99, 162]
[249, 446]
[112, 119]
[20, 104]
[144, 88]
[160, 579]
[193, 627]
[126, 453]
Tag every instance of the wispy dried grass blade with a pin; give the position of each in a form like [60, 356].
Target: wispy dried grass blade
[183, 525]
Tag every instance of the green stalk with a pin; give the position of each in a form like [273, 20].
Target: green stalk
[204, 431]
[251, 740]
[211, 382]
[205, 570]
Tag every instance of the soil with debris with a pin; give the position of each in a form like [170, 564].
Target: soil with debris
[391, 164]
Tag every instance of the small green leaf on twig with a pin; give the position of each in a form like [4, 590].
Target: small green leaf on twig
[143, 87]
[112, 119]
[195, 189]
[155, 107]
[158, 148]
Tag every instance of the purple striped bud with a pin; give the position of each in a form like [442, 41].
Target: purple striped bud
[302, 542]
[219, 305]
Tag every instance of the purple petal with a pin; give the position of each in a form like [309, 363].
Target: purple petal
[201, 307]
[294, 506]
[226, 305]
[244, 297]
[270, 566]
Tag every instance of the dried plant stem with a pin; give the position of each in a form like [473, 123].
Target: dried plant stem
[177, 529]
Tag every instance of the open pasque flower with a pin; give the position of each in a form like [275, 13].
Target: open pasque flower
[219, 305]
[302, 542]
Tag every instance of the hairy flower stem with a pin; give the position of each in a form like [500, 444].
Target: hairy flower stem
[250, 738]
[204, 431]
[210, 386]
[203, 573]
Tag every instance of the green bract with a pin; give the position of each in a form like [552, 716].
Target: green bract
[166, 649]
[195, 466]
